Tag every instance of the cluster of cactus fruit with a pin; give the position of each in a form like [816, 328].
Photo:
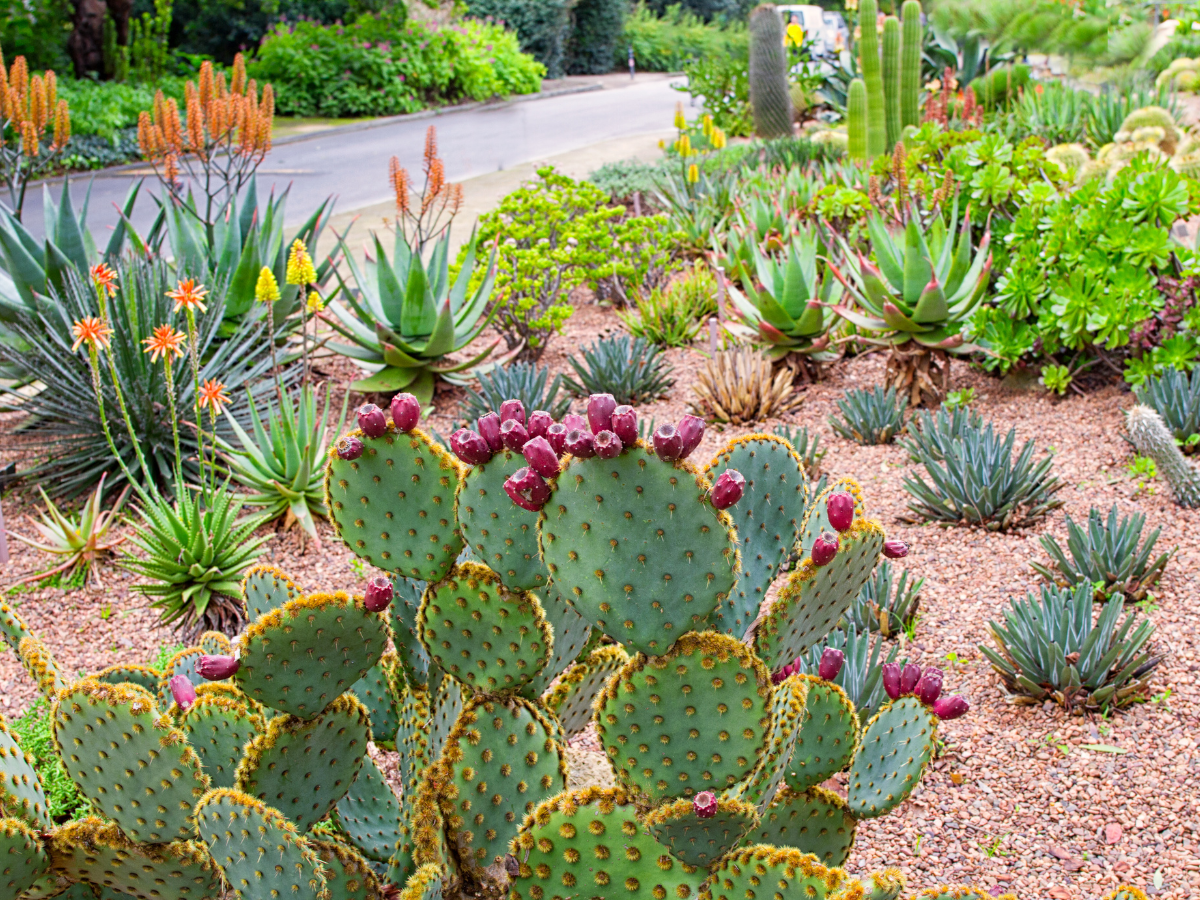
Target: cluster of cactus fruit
[554, 575]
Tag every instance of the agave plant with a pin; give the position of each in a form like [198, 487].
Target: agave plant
[886, 605]
[1176, 397]
[870, 417]
[516, 381]
[861, 673]
[630, 368]
[930, 433]
[808, 448]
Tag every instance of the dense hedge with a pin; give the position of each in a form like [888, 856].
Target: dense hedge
[665, 43]
[542, 26]
[731, 10]
[596, 31]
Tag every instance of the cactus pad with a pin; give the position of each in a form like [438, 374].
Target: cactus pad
[142, 676]
[347, 875]
[214, 643]
[410, 652]
[374, 690]
[573, 638]
[12, 627]
[815, 597]
[266, 588]
[134, 767]
[814, 821]
[394, 505]
[299, 657]
[787, 707]
[787, 871]
[257, 849]
[967, 892]
[21, 793]
[370, 814]
[486, 636]
[635, 545]
[218, 728]
[501, 534]
[696, 841]
[572, 698]
[767, 519]
[816, 517]
[303, 767]
[888, 884]
[39, 663]
[445, 703]
[828, 735]
[694, 719]
[182, 663]
[425, 884]
[23, 857]
[589, 843]
[897, 745]
[412, 737]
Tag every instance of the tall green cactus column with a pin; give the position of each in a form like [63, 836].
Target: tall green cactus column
[856, 120]
[770, 98]
[910, 65]
[891, 79]
[868, 49]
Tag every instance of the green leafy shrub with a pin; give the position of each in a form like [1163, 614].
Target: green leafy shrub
[33, 730]
[647, 255]
[722, 83]
[667, 42]
[621, 180]
[517, 381]
[631, 369]
[105, 107]
[596, 31]
[872, 416]
[542, 27]
[673, 316]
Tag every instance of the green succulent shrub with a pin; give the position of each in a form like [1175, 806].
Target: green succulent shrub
[516, 381]
[1175, 396]
[873, 416]
[887, 604]
[930, 433]
[626, 177]
[646, 257]
[630, 368]
[673, 316]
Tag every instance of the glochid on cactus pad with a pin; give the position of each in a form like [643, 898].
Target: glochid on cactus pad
[21, 793]
[572, 697]
[787, 713]
[700, 837]
[348, 875]
[218, 727]
[813, 820]
[791, 872]
[24, 855]
[264, 588]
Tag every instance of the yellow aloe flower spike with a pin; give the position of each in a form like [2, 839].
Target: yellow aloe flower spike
[267, 288]
[693, 173]
[300, 265]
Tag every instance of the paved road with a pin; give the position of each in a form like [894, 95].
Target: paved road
[353, 165]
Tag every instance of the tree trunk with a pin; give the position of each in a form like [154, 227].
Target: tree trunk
[86, 43]
[120, 11]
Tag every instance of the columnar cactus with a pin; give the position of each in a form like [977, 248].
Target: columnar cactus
[856, 120]
[891, 79]
[770, 99]
[869, 64]
[910, 65]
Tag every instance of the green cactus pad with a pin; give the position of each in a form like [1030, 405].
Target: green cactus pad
[39, 663]
[814, 821]
[897, 745]
[696, 841]
[815, 597]
[499, 762]
[790, 873]
[60, 888]
[142, 676]
[589, 844]
[303, 767]
[218, 728]
[266, 588]
[968, 892]
[486, 636]
[694, 719]
[573, 638]
[1124, 892]
[257, 849]
[636, 546]
[816, 516]
[301, 656]
[95, 851]
[787, 712]
[406, 603]
[445, 704]
[21, 793]
[23, 857]
[425, 884]
[374, 690]
[501, 534]
[572, 698]
[150, 787]
[12, 627]
[828, 735]
[213, 643]
[348, 875]
[182, 663]
[394, 505]
[423, 834]
[370, 814]
[412, 737]
[767, 518]
[888, 884]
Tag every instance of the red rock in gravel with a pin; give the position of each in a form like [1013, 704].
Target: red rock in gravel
[1113, 833]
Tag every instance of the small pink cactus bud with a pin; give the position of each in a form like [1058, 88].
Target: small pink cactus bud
[607, 445]
[406, 412]
[947, 708]
[840, 509]
[600, 412]
[470, 447]
[556, 434]
[691, 430]
[348, 447]
[539, 422]
[512, 411]
[580, 443]
[929, 686]
[541, 457]
[371, 420]
[895, 549]
[379, 593]
[182, 691]
[831, 663]
[216, 668]
[526, 488]
[891, 680]
[489, 427]
[625, 425]
[514, 435]
[825, 548]
[575, 422]
[728, 489]
[668, 443]
[909, 676]
[705, 805]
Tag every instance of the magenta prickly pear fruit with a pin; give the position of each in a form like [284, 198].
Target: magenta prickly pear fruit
[705, 805]
[470, 447]
[891, 680]
[539, 422]
[825, 548]
[929, 686]
[182, 691]
[607, 445]
[728, 489]
[909, 676]
[600, 412]
[348, 447]
[831, 663]
[371, 420]
[512, 411]
[895, 549]
[541, 457]
[379, 593]
[668, 443]
[514, 435]
[489, 427]
[556, 434]
[574, 422]
[840, 509]
[580, 443]
[951, 707]
[406, 412]
[624, 425]
[691, 430]
[216, 668]
[526, 488]
[786, 672]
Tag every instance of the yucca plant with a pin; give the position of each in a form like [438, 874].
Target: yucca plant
[871, 416]
[885, 604]
[930, 433]
[1051, 649]
[861, 676]
[1105, 555]
[630, 368]
[1175, 396]
[516, 381]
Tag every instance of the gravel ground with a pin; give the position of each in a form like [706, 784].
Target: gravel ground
[1015, 803]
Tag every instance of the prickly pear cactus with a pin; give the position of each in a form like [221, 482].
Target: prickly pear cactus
[21, 793]
[701, 841]
[369, 814]
[218, 727]
[790, 872]
[827, 736]
[348, 875]
[376, 691]
[571, 700]
[814, 821]
[39, 663]
[23, 857]
[787, 713]
[572, 638]
[265, 588]
[410, 652]
[142, 676]
[897, 745]
[501, 534]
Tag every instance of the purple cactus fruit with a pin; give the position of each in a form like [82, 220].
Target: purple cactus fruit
[556, 434]
[929, 686]
[541, 457]
[512, 411]
[691, 429]
[895, 549]
[831, 663]
[348, 447]
[947, 708]
[489, 428]
[470, 447]
[668, 443]
[600, 412]
[406, 412]
[575, 422]
[216, 668]
[371, 420]
[728, 489]
[825, 548]
[527, 489]
[909, 676]
[379, 593]
[786, 672]
[705, 805]
[840, 509]
[624, 425]
[539, 422]
[182, 691]
[580, 443]
[514, 435]
[607, 445]
[891, 680]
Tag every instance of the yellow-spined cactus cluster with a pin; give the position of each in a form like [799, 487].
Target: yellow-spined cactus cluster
[1151, 130]
[1183, 74]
